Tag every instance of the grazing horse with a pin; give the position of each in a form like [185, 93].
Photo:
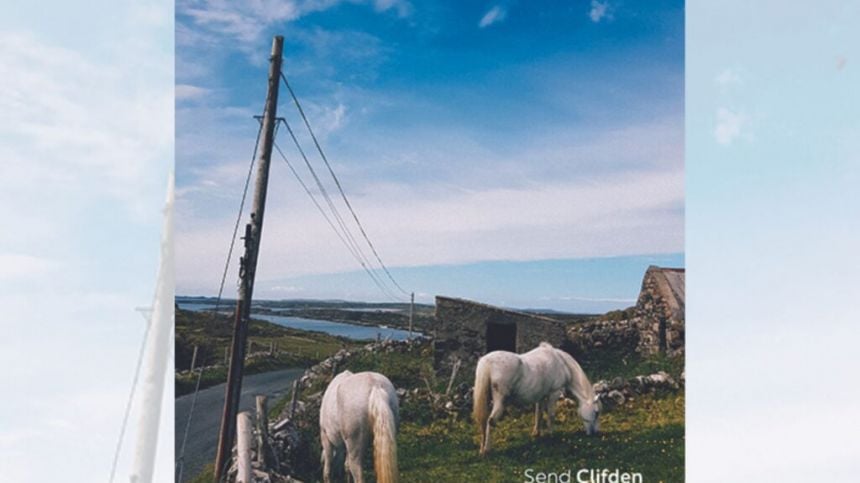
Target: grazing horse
[355, 409]
[537, 377]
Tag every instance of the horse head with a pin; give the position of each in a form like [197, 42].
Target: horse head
[589, 411]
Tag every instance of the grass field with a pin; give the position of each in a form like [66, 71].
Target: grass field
[644, 435]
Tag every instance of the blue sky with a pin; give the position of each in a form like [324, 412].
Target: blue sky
[478, 142]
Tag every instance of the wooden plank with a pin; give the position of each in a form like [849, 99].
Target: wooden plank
[243, 450]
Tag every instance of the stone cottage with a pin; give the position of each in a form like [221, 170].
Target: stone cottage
[467, 330]
[654, 325]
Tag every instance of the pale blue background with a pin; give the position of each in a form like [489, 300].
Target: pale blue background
[772, 237]
[86, 142]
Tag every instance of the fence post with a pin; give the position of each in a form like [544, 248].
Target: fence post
[243, 450]
[411, 313]
[294, 398]
[193, 359]
[453, 376]
[262, 431]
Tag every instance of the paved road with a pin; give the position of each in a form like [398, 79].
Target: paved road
[203, 434]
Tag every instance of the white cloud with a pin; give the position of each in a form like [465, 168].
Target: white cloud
[286, 288]
[69, 112]
[496, 14]
[402, 7]
[245, 22]
[616, 215]
[730, 125]
[727, 78]
[574, 298]
[599, 11]
[189, 92]
[541, 200]
[16, 266]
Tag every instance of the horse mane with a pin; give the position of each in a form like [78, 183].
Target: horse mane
[582, 388]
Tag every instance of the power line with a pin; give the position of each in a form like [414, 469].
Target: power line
[319, 207]
[339, 187]
[325, 194]
[349, 239]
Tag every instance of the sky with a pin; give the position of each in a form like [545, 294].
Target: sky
[478, 142]
[86, 142]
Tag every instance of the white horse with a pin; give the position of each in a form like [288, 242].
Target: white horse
[537, 377]
[356, 408]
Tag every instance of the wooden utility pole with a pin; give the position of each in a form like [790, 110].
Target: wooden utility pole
[248, 267]
[411, 313]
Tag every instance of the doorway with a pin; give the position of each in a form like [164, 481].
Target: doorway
[501, 337]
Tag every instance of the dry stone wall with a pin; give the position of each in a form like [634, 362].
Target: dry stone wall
[654, 325]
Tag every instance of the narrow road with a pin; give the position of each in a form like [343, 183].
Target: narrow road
[203, 433]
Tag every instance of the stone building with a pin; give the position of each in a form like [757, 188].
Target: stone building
[654, 325]
[661, 309]
[466, 330]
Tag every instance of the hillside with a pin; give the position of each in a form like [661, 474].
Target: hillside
[213, 333]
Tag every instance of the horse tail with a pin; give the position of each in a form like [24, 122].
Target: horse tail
[384, 423]
[481, 396]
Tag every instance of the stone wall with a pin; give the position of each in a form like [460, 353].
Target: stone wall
[661, 309]
[462, 330]
[603, 334]
[654, 325]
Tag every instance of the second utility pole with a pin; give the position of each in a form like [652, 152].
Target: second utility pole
[247, 268]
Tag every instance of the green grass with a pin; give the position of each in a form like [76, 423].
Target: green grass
[206, 475]
[645, 435]
[607, 364]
